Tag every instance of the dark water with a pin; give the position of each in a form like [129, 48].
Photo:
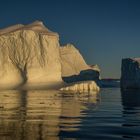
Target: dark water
[50, 115]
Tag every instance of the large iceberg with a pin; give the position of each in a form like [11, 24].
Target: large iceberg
[29, 54]
[130, 73]
[74, 67]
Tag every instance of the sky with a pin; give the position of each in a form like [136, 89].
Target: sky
[105, 31]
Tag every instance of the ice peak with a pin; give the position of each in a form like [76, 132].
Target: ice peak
[36, 26]
[37, 22]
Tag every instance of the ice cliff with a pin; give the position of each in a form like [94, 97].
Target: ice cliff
[31, 56]
[130, 73]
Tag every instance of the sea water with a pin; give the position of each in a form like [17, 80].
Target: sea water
[51, 115]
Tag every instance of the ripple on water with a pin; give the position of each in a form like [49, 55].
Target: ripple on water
[44, 115]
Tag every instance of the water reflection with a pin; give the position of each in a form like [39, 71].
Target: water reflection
[41, 114]
[131, 103]
[131, 113]
[130, 98]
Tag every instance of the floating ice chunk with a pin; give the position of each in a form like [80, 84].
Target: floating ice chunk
[84, 86]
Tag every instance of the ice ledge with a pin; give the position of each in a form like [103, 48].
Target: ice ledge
[83, 86]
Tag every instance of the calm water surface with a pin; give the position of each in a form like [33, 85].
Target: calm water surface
[50, 115]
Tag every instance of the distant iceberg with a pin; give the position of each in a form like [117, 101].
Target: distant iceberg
[130, 73]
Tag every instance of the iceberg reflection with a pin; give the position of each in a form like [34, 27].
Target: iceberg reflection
[41, 114]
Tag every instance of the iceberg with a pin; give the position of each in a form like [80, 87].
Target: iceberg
[109, 83]
[84, 86]
[74, 67]
[29, 55]
[130, 73]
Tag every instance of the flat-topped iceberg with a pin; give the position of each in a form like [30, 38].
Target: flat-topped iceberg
[130, 73]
